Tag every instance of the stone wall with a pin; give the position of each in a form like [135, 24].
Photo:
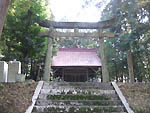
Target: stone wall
[11, 72]
[3, 71]
[14, 68]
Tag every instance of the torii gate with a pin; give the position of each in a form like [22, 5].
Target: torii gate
[100, 26]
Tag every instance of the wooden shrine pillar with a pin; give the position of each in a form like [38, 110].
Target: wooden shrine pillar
[105, 73]
[47, 68]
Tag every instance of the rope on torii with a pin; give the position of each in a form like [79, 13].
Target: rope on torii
[100, 26]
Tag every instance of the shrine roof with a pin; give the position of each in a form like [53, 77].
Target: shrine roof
[76, 57]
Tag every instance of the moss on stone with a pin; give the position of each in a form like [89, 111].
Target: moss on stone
[77, 97]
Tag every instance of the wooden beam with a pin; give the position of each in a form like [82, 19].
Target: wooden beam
[82, 35]
[87, 74]
[79, 25]
[63, 76]
[78, 34]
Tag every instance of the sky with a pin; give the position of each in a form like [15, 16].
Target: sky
[72, 10]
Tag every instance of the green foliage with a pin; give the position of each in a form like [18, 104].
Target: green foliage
[1, 86]
[76, 43]
[81, 110]
[77, 97]
[131, 29]
[21, 33]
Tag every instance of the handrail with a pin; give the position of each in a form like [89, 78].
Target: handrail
[122, 98]
[35, 96]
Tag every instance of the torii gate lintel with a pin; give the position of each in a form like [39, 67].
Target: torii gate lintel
[80, 25]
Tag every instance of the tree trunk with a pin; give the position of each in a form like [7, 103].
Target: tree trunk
[22, 67]
[46, 76]
[130, 67]
[105, 73]
[34, 69]
[116, 72]
[121, 77]
[4, 4]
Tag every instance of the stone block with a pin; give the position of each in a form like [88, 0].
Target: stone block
[3, 71]
[20, 78]
[14, 68]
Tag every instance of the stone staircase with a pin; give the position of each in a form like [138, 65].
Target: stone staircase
[78, 97]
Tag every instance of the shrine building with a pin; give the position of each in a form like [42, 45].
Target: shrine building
[76, 64]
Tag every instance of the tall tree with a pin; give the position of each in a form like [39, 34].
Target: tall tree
[131, 28]
[21, 35]
[4, 4]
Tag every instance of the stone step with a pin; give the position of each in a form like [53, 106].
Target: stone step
[77, 84]
[78, 102]
[77, 91]
[75, 112]
[78, 109]
[78, 97]
[107, 87]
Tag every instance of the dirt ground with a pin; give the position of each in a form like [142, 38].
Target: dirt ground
[16, 97]
[137, 95]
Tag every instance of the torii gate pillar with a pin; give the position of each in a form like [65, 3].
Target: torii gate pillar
[47, 68]
[105, 72]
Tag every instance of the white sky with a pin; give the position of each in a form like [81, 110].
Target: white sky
[71, 10]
